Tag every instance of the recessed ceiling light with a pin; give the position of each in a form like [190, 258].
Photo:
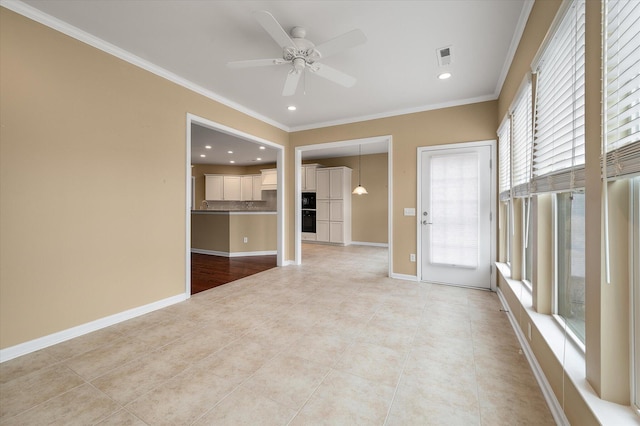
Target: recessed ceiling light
[229, 152]
[291, 108]
[258, 159]
[208, 146]
[262, 147]
[202, 155]
[444, 75]
[232, 162]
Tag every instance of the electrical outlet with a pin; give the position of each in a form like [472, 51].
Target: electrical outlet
[529, 331]
[412, 257]
[246, 240]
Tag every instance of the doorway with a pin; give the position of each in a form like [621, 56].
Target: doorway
[203, 122]
[345, 148]
[456, 201]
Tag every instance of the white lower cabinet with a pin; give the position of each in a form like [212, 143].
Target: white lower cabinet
[322, 231]
[336, 232]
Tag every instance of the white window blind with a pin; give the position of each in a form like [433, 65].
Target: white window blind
[522, 142]
[504, 158]
[558, 150]
[455, 207]
[622, 87]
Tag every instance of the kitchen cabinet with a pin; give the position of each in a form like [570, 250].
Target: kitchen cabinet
[213, 187]
[333, 205]
[246, 188]
[257, 187]
[308, 177]
[269, 179]
[233, 187]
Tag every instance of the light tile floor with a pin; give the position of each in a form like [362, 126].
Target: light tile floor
[333, 341]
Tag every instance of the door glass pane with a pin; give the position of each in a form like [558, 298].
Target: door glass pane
[454, 210]
[571, 261]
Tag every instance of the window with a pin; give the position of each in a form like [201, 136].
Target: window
[570, 262]
[558, 150]
[504, 158]
[622, 87]
[508, 234]
[527, 263]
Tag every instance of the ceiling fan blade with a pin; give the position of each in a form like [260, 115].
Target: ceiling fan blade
[274, 29]
[333, 74]
[342, 42]
[255, 63]
[291, 83]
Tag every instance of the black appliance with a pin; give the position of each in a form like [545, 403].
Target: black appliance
[308, 200]
[309, 221]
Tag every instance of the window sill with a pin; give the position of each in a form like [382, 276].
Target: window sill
[573, 354]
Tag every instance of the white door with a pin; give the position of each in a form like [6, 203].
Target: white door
[455, 220]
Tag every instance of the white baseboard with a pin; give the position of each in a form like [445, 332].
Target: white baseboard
[403, 277]
[70, 333]
[554, 405]
[364, 243]
[234, 254]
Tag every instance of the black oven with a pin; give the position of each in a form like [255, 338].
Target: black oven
[308, 200]
[309, 221]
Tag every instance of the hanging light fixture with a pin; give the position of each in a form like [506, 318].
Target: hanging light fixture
[359, 190]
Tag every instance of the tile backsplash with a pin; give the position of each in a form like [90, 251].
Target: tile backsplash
[268, 203]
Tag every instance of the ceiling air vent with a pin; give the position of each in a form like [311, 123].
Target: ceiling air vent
[444, 56]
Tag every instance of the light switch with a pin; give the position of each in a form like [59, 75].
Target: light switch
[408, 211]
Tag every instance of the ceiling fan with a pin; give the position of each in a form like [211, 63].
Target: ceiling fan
[303, 54]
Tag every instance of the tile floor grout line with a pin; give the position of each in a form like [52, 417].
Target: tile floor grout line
[53, 397]
[404, 364]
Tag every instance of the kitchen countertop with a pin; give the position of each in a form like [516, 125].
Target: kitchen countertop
[234, 212]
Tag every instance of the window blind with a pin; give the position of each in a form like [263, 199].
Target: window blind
[522, 142]
[558, 150]
[504, 158]
[622, 87]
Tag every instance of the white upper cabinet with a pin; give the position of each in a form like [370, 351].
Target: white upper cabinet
[308, 177]
[269, 179]
[233, 187]
[213, 185]
[246, 188]
[322, 184]
[257, 187]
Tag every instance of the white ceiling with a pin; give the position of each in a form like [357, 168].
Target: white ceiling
[190, 42]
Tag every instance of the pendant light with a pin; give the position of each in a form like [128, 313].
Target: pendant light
[359, 190]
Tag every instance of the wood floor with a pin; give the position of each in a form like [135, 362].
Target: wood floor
[209, 271]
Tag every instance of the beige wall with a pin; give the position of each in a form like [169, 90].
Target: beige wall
[210, 231]
[225, 232]
[466, 123]
[369, 213]
[259, 229]
[92, 186]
